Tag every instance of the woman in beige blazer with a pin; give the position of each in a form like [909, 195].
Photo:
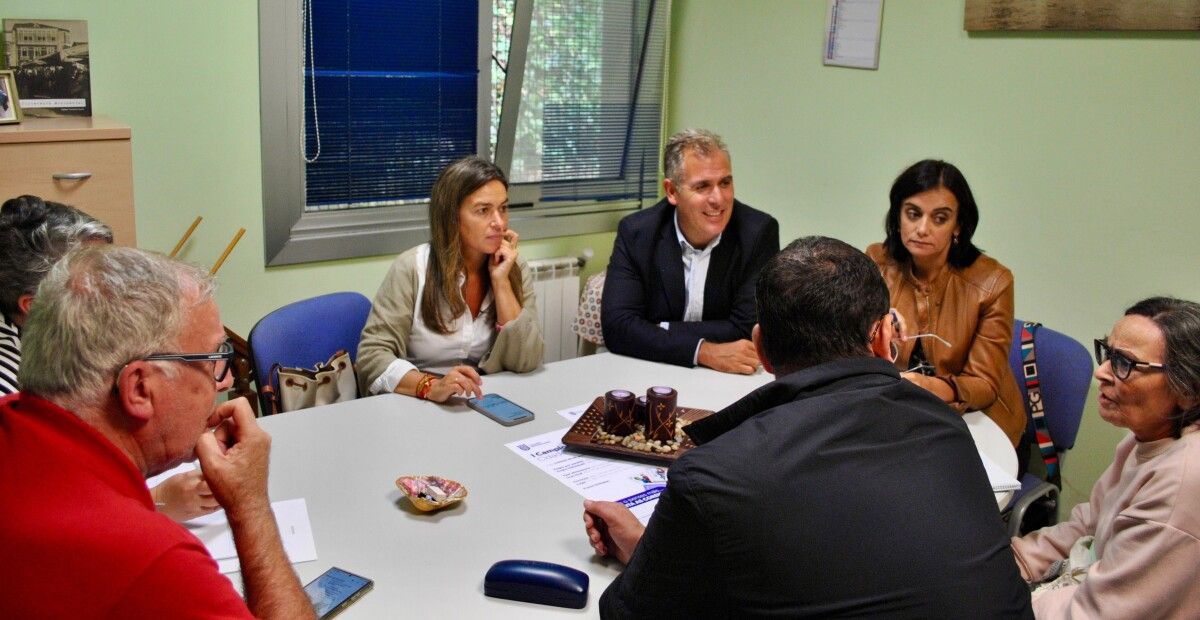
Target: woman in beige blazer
[459, 306]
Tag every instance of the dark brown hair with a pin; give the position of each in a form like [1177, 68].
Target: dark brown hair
[921, 177]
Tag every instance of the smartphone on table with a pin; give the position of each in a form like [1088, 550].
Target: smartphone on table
[500, 409]
[334, 590]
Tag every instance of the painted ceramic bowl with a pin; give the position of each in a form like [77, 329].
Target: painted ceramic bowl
[429, 493]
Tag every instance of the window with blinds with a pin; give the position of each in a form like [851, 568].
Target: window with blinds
[588, 126]
[390, 98]
[364, 101]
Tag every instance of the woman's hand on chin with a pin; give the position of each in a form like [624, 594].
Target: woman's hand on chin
[502, 261]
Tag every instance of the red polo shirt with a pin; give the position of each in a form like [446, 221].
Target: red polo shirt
[79, 535]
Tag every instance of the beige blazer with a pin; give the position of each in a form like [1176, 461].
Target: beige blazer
[518, 347]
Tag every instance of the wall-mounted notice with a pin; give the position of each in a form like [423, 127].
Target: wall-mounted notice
[852, 33]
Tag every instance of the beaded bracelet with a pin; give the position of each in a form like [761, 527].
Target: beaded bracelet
[424, 386]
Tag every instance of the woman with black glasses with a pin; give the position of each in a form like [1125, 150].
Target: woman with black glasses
[1133, 550]
[954, 305]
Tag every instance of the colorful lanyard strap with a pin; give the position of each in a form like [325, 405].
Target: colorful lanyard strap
[1033, 396]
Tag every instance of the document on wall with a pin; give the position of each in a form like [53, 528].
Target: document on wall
[852, 33]
[636, 485]
[294, 528]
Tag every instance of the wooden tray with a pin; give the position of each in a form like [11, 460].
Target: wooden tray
[581, 434]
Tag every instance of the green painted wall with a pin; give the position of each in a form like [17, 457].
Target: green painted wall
[1083, 150]
[184, 76]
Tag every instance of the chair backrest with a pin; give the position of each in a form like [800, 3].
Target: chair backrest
[1065, 375]
[587, 316]
[306, 333]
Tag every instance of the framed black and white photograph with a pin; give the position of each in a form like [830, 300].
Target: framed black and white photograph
[10, 108]
[52, 66]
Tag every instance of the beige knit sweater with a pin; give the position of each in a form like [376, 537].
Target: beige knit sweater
[1145, 515]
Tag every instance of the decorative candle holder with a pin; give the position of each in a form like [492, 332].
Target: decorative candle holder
[639, 412]
[660, 413]
[618, 412]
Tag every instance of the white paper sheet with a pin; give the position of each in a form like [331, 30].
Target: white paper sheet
[574, 413]
[1001, 481]
[154, 481]
[294, 528]
[637, 485]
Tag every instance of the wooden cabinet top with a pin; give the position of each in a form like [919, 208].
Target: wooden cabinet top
[63, 129]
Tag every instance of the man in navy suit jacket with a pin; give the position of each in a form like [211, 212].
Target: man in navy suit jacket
[680, 283]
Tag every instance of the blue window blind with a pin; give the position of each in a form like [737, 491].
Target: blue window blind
[390, 98]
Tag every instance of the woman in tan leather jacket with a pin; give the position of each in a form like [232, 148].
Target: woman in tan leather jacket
[954, 305]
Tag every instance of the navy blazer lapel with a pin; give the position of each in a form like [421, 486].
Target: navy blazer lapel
[668, 259]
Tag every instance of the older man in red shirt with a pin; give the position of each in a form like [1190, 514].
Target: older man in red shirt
[123, 356]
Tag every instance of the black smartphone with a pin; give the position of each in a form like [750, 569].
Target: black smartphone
[500, 409]
[334, 590]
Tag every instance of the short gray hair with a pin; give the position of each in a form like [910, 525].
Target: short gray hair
[702, 142]
[99, 308]
[34, 234]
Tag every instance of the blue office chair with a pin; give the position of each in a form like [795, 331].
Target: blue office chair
[1065, 376]
[304, 334]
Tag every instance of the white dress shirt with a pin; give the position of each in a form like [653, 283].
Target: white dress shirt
[695, 274]
[469, 338]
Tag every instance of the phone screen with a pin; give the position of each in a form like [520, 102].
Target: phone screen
[500, 407]
[334, 588]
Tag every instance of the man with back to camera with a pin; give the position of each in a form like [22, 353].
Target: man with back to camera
[123, 356]
[680, 282]
[838, 489]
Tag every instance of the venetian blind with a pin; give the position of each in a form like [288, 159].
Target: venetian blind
[390, 98]
[589, 119]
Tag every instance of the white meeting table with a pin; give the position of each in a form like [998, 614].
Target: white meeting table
[344, 460]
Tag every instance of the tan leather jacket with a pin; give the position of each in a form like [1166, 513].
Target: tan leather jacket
[973, 309]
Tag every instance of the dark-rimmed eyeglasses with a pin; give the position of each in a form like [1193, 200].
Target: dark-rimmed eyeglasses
[221, 359]
[1122, 364]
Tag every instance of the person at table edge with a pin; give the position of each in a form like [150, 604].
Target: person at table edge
[124, 356]
[816, 495]
[1133, 549]
[954, 303]
[34, 234]
[459, 306]
[680, 282]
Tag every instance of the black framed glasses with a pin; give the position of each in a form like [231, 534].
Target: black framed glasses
[1122, 364]
[221, 359]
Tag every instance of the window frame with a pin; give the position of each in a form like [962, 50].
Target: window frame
[292, 235]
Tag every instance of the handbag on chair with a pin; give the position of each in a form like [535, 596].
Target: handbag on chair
[300, 388]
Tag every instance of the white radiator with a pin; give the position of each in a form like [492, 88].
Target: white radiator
[556, 284]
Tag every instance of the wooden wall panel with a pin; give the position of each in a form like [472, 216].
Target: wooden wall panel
[1082, 15]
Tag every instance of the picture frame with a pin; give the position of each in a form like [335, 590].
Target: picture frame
[10, 101]
[52, 63]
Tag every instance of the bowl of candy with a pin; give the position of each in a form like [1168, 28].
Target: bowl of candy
[429, 493]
